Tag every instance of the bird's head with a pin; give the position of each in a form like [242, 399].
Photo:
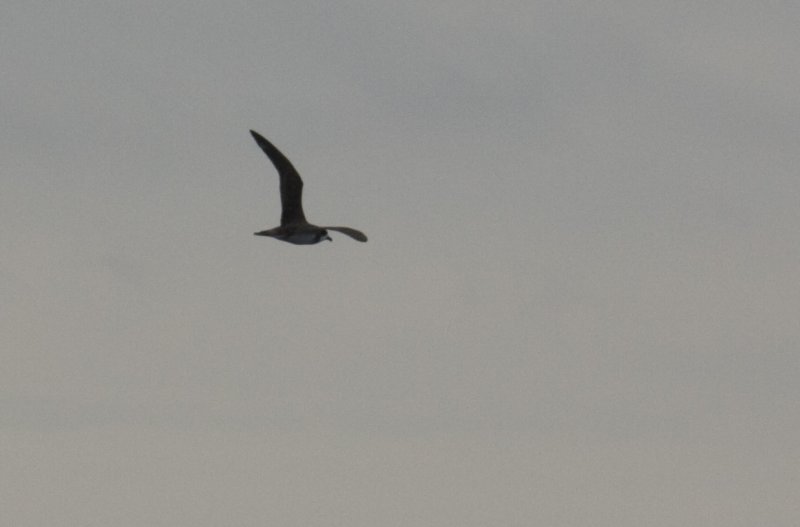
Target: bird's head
[324, 236]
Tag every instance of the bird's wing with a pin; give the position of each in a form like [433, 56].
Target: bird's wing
[291, 184]
[356, 235]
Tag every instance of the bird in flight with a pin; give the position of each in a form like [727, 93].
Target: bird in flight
[294, 228]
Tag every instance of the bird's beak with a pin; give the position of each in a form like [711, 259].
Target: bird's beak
[328, 238]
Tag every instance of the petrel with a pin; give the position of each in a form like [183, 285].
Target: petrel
[294, 228]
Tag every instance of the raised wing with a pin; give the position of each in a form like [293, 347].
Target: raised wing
[356, 235]
[291, 184]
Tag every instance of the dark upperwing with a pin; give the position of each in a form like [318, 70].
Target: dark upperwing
[356, 235]
[291, 184]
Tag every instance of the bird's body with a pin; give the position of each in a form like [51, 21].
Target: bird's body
[294, 228]
[297, 234]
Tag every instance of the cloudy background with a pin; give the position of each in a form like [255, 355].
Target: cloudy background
[578, 305]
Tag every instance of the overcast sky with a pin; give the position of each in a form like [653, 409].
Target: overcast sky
[578, 304]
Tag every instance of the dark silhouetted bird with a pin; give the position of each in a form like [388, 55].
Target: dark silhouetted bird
[294, 228]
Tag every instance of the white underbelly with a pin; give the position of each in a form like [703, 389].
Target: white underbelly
[303, 238]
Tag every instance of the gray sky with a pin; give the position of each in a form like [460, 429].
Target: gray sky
[578, 304]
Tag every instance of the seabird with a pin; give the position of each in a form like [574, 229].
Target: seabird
[294, 228]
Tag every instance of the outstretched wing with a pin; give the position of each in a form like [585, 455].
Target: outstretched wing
[356, 235]
[291, 184]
